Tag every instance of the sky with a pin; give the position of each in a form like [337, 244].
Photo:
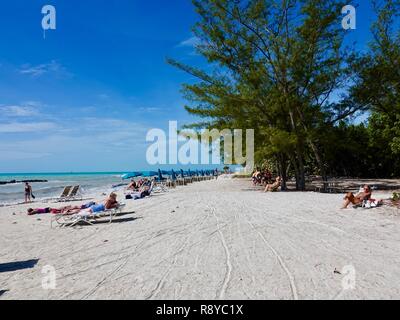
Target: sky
[83, 97]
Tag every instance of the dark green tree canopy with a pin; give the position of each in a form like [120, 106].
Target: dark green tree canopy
[279, 66]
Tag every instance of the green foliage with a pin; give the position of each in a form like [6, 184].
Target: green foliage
[277, 66]
[378, 81]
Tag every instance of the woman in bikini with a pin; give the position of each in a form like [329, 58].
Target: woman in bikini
[357, 199]
[275, 186]
[132, 186]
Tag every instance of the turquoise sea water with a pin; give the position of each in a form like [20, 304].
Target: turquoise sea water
[6, 176]
[90, 182]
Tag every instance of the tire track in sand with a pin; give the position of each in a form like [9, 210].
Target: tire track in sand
[290, 276]
[161, 281]
[228, 272]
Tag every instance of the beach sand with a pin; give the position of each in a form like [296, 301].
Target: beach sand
[209, 240]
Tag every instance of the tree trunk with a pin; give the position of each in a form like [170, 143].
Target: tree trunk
[319, 160]
[283, 171]
[313, 147]
[296, 171]
[302, 175]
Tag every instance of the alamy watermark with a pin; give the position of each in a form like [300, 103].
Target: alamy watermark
[49, 19]
[348, 282]
[49, 279]
[204, 147]
[349, 279]
[349, 21]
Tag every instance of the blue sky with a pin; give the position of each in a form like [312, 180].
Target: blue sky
[83, 98]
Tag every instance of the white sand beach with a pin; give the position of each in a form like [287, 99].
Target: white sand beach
[209, 240]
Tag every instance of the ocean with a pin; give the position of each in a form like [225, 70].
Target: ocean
[91, 183]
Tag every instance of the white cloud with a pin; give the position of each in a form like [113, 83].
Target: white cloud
[35, 104]
[21, 155]
[150, 109]
[20, 127]
[18, 111]
[52, 67]
[89, 136]
[103, 96]
[191, 42]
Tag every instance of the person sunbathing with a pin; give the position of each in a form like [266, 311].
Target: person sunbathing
[32, 212]
[132, 186]
[144, 191]
[358, 199]
[257, 177]
[64, 210]
[69, 210]
[274, 186]
[110, 203]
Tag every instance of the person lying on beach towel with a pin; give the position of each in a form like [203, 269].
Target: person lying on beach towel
[32, 212]
[361, 199]
[64, 210]
[275, 186]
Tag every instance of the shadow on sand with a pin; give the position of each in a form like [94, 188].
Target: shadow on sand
[19, 265]
[3, 292]
[117, 220]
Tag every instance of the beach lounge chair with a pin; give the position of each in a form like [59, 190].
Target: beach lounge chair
[65, 193]
[85, 217]
[74, 194]
[160, 188]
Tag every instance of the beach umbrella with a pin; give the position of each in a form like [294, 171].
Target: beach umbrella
[202, 173]
[131, 175]
[182, 173]
[190, 173]
[148, 174]
[173, 176]
[160, 177]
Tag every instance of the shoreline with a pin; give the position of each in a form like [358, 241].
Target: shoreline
[381, 186]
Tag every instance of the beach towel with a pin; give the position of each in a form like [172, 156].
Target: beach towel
[371, 203]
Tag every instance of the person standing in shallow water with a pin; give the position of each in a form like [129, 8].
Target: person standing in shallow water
[28, 192]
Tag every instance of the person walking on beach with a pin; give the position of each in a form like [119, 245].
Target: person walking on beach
[28, 192]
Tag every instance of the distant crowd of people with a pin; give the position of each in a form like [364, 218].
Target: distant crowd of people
[140, 189]
[361, 199]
